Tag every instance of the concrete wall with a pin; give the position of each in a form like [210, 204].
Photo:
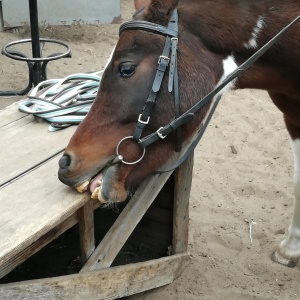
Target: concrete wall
[61, 12]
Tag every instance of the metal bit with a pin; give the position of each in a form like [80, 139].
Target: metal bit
[117, 160]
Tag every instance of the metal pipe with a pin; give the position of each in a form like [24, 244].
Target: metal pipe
[35, 40]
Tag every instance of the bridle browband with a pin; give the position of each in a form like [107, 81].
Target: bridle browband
[169, 57]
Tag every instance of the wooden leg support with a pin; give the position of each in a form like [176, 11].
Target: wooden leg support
[107, 284]
[183, 184]
[86, 230]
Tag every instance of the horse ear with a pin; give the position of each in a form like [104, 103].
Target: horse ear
[139, 4]
[156, 10]
[163, 6]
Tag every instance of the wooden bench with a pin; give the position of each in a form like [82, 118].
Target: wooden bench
[36, 208]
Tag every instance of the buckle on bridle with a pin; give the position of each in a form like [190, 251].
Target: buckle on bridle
[143, 122]
[160, 134]
[162, 57]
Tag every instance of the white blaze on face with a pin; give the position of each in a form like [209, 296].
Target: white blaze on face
[252, 43]
[229, 66]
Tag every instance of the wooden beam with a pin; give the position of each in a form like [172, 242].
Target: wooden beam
[86, 230]
[118, 234]
[183, 184]
[104, 284]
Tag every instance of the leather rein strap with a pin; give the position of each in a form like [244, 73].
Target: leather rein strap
[171, 33]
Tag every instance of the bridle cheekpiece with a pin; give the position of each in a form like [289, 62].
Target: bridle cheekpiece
[167, 58]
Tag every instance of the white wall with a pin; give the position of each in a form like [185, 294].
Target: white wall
[61, 12]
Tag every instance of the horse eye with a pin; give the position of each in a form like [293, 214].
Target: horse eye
[126, 70]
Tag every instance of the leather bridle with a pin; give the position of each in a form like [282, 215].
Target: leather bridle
[169, 57]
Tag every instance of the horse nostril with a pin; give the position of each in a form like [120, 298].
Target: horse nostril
[65, 161]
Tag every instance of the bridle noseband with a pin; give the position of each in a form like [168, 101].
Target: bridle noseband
[169, 57]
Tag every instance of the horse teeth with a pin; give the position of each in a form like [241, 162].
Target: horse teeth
[100, 198]
[82, 187]
[95, 193]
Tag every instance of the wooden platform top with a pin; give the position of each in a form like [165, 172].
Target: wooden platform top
[26, 141]
[36, 202]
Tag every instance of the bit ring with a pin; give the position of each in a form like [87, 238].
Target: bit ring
[127, 162]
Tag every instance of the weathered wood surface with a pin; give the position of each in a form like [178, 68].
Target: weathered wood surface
[26, 141]
[116, 237]
[34, 206]
[183, 184]
[10, 114]
[105, 284]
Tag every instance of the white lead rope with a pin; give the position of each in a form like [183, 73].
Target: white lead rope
[63, 102]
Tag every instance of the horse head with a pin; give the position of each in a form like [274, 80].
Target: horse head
[89, 159]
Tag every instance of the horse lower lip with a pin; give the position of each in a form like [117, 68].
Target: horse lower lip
[101, 199]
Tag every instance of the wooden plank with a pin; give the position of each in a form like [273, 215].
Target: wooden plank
[86, 230]
[183, 184]
[31, 207]
[48, 237]
[116, 237]
[105, 284]
[10, 114]
[26, 141]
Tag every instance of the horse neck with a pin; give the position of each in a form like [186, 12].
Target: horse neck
[240, 27]
[236, 25]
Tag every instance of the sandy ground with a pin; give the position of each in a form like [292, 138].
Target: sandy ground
[230, 190]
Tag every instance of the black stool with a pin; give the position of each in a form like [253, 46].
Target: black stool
[36, 64]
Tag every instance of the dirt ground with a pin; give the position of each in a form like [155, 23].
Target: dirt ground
[231, 189]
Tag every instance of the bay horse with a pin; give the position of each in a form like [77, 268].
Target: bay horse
[214, 38]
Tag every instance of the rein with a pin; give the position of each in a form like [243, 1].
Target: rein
[169, 56]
